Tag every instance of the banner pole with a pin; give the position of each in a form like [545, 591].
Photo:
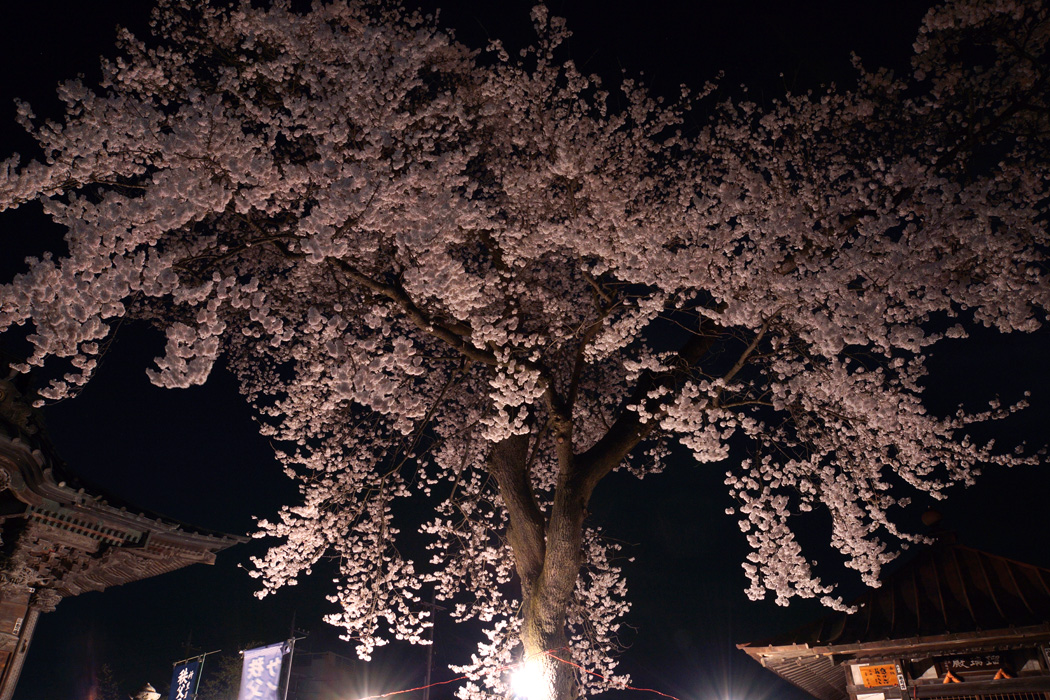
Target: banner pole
[291, 655]
[196, 656]
[200, 672]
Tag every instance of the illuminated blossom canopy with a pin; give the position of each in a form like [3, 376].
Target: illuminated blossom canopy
[485, 282]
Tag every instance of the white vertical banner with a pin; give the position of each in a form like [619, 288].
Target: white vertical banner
[261, 672]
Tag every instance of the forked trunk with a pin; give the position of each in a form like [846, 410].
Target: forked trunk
[548, 554]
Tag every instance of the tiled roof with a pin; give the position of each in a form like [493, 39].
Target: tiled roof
[948, 597]
[949, 589]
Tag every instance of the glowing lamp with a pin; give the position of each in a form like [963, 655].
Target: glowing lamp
[528, 681]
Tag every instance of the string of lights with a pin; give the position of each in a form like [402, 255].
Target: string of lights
[550, 653]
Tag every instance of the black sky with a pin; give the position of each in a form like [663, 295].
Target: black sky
[194, 455]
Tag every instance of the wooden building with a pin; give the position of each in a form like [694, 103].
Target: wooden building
[60, 540]
[954, 623]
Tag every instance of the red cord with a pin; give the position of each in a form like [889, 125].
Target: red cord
[410, 690]
[626, 687]
[424, 687]
[549, 653]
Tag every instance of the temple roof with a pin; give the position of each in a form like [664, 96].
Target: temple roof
[949, 589]
[948, 598]
[65, 537]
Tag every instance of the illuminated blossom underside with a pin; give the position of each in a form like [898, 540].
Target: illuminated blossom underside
[471, 280]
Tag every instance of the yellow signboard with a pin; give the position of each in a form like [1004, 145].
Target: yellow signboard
[878, 676]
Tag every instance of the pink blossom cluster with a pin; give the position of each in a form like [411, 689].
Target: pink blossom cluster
[409, 253]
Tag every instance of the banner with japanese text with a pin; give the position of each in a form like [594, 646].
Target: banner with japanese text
[184, 680]
[261, 672]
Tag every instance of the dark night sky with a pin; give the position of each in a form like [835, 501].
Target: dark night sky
[194, 455]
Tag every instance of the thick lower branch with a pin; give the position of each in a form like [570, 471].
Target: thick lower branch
[628, 430]
[550, 596]
[508, 464]
[564, 555]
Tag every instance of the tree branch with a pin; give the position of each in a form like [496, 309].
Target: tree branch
[452, 333]
[628, 430]
[508, 464]
[748, 351]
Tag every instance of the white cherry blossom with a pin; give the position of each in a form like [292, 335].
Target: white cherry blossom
[483, 283]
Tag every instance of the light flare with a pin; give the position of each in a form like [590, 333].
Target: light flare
[528, 681]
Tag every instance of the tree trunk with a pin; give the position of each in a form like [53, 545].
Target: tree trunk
[547, 550]
[543, 637]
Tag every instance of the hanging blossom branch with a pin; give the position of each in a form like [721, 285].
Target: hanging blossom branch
[486, 284]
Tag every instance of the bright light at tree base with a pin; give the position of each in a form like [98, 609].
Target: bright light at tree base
[528, 681]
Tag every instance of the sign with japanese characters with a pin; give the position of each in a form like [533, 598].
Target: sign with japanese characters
[975, 667]
[184, 680]
[972, 662]
[879, 676]
[261, 672]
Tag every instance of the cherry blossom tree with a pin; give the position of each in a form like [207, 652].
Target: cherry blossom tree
[486, 282]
